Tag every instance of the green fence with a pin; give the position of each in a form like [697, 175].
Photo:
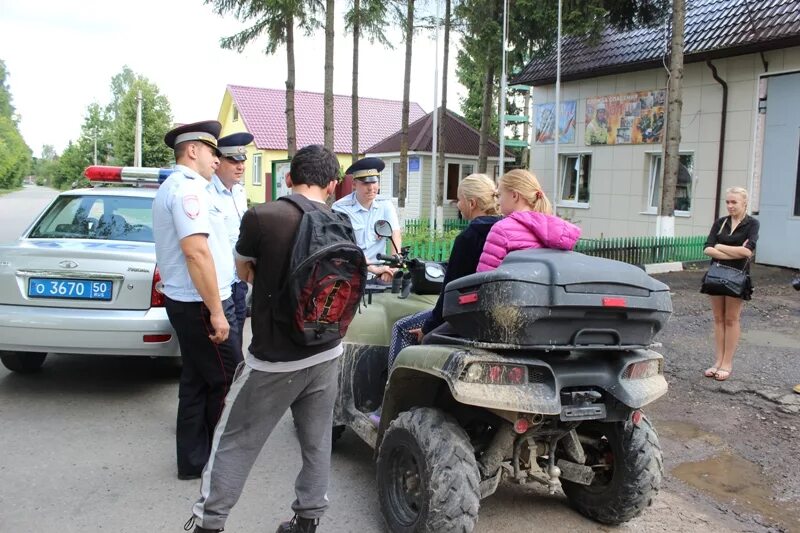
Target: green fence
[645, 250]
[634, 250]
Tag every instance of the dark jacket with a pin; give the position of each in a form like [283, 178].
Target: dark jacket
[464, 258]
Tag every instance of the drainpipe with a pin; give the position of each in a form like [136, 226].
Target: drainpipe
[722, 125]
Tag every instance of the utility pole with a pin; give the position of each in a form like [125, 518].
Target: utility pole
[503, 95]
[137, 149]
[95, 145]
[435, 133]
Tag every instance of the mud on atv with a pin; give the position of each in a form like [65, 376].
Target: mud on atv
[461, 415]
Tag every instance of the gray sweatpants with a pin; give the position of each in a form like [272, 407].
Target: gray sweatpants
[254, 405]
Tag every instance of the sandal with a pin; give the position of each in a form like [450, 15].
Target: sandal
[710, 372]
[722, 374]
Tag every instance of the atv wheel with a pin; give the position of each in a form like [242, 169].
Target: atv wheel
[23, 362]
[627, 463]
[427, 475]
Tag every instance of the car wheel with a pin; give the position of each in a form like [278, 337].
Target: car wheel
[23, 362]
[428, 479]
[628, 468]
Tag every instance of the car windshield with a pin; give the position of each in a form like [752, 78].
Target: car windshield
[123, 218]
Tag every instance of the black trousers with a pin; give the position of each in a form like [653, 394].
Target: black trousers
[207, 374]
[239, 295]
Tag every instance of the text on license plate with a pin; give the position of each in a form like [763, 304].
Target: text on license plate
[73, 289]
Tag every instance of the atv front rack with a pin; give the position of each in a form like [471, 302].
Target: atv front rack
[438, 338]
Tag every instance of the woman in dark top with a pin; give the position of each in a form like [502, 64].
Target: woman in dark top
[731, 242]
[478, 204]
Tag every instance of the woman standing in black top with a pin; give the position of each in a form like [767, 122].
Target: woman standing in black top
[731, 242]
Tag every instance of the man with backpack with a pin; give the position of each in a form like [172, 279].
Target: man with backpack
[308, 276]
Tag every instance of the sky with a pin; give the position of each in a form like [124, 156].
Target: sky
[61, 57]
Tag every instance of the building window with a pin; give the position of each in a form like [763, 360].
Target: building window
[256, 169]
[683, 189]
[797, 192]
[575, 179]
[455, 173]
[235, 113]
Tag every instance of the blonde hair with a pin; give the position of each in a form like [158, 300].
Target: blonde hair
[527, 186]
[738, 190]
[480, 187]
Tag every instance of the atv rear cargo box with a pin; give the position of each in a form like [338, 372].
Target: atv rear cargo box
[557, 299]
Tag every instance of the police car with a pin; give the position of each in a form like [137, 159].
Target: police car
[82, 279]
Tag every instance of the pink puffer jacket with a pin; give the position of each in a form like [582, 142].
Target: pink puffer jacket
[526, 229]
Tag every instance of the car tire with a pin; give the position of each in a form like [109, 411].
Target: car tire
[428, 479]
[23, 362]
[622, 492]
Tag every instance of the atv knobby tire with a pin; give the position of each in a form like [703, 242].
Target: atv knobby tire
[428, 478]
[621, 493]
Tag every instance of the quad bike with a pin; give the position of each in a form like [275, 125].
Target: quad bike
[459, 416]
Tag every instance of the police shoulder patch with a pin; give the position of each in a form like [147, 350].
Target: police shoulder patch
[191, 205]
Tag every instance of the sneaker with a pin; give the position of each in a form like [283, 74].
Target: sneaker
[375, 417]
[197, 529]
[298, 524]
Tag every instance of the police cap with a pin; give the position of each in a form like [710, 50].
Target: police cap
[367, 170]
[206, 132]
[234, 146]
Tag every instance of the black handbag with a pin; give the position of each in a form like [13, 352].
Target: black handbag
[723, 280]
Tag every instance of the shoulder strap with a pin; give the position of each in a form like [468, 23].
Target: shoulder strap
[300, 202]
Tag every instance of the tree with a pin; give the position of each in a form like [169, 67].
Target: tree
[276, 20]
[97, 133]
[156, 122]
[328, 96]
[15, 156]
[672, 163]
[121, 84]
[409, 37]
[367, 17]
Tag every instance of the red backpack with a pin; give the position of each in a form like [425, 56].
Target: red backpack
[325, 279]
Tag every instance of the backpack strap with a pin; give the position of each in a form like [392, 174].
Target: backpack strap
[300, 202]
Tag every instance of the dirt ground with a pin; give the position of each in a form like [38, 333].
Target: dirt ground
[734, 445]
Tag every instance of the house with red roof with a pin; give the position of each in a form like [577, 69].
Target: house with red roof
[262, 112]
[461, 159]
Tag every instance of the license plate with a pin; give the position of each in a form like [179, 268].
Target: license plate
[70, 289]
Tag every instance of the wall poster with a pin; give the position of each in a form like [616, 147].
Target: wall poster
[545, 120]
[627, 118]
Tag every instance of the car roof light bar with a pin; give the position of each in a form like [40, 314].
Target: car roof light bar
[127, 175]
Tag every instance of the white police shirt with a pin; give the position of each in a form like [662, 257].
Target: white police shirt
[363, 221]
[233, 204]
[184, 206]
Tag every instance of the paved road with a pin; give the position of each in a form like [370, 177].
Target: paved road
[87, 445]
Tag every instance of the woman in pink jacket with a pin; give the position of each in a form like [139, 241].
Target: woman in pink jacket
[528, 221]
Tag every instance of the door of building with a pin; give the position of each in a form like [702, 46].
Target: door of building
[779, 209]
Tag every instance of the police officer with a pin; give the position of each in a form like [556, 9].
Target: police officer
[231, 199]
[365, 207]
[194, 259]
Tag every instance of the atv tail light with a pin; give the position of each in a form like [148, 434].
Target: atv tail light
[492, 374]
[614, 302]
[156, 338]
[157, 298]
[636, 417]
[643, 369]
[521, 426]
[469, 298]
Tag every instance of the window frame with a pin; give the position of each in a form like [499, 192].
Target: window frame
[256, 178]
[652, 157]
[562, 160]
[461, 175]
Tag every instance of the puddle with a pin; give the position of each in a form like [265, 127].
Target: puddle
[683, 431]
[732, 479]
[770, 338]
